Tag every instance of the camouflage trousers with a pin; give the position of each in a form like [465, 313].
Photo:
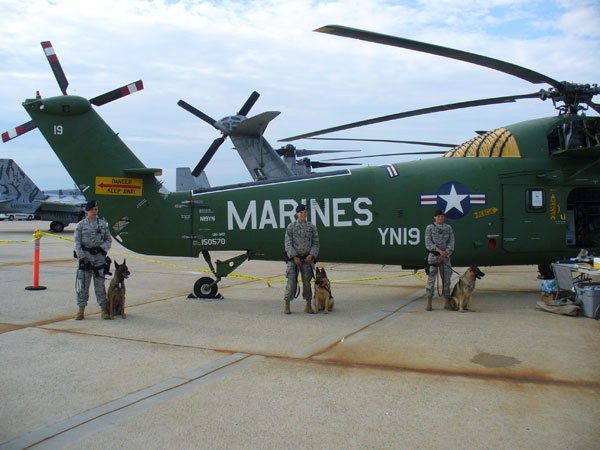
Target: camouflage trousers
[84, 279]
[291, 273]
[446, 275]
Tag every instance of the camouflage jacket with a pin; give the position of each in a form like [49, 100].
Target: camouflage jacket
[439, 238]
[301, 239]
[91, 234]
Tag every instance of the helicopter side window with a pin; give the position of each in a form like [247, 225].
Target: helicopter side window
[536, 200]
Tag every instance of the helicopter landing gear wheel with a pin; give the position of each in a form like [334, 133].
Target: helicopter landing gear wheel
[203, 288]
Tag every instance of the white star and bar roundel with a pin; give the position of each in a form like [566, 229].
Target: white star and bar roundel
[454, 198]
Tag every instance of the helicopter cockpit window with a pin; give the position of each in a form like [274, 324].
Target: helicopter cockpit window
[578, 133]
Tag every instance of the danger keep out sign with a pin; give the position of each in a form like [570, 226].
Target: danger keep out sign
[119, 186]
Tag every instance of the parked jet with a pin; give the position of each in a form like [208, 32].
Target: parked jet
[18, 194]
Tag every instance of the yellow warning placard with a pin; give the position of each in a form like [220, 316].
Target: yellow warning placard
[119, 186]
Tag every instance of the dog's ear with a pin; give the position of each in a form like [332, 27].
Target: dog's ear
[116, 265]
[124, 261]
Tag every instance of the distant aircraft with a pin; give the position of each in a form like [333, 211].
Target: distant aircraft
[18, 194]
[261, 159]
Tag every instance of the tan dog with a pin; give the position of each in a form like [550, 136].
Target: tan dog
[322, 298]
[116, 291]
[462, 292]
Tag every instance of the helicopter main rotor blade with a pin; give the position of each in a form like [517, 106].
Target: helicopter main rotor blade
[387, 154]
[416, 112]
[208, 156]
[197, 113]
[473, 58]
[59, 74]
[320, 164]
[393, 141]
[249, 104]
[304, 152]
[117, 93]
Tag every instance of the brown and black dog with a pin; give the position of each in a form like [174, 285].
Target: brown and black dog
[322, 298]
[462, 292]
[116, 291]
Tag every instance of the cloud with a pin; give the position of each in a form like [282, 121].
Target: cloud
[213, 54]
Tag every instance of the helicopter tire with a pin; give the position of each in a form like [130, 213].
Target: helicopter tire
[545, 271]
[202, 289]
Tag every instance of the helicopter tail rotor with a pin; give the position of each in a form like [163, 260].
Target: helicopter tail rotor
[59, 73]
[244, 110]
[196, 112]
[18, 131]
[63, 83]
[208, 155]
[117, 93]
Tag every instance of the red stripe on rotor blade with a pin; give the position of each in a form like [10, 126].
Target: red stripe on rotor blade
[8, 135]
[132, 88]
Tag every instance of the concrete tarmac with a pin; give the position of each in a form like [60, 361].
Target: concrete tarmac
[377, 372]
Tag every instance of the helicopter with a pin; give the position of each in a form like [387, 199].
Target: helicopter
[526, 193]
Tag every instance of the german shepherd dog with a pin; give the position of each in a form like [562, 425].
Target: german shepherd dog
[322, 298]
[116, 291]
[462, 292]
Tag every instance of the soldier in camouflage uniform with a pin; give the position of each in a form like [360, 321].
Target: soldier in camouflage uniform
[302, 248]
[92, 243]
[439, 240]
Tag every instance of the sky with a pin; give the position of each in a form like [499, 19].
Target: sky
[213, 54]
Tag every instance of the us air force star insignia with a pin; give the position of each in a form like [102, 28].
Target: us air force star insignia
[454, 198]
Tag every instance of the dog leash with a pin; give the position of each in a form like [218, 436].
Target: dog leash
[440, 276]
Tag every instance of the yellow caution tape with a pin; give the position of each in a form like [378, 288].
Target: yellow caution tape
[43, 233]
[38, 235]
[7, 241]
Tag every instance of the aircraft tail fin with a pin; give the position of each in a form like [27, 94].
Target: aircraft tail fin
[185, 181]
[15, 185]
[254, 126]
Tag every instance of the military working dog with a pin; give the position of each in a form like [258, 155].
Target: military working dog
[322, 298]
[462, 292]
[116, 291]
